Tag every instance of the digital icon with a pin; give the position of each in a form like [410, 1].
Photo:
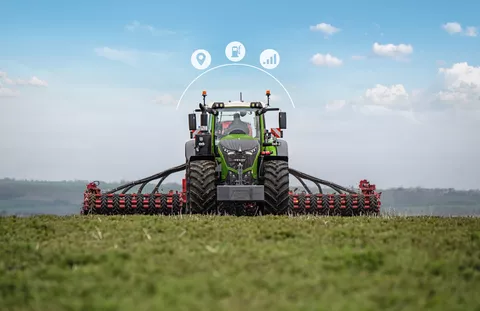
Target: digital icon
[269, 59]
[201, 59]
[235, 51]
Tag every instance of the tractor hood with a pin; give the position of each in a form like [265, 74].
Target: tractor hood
[244, 146]
[239, 151]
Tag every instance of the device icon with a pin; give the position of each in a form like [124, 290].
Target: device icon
[269, 59]
[201, 59]
[235, 51]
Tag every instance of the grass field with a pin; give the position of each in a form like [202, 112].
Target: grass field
[233, 263]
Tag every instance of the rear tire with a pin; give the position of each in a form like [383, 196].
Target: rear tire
[277, 187]
[201, 189]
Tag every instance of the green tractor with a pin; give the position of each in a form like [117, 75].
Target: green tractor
[234, 162]
[234, 165]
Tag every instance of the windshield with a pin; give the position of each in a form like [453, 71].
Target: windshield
[236, 121]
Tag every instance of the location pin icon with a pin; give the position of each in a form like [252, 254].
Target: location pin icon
[201, 58]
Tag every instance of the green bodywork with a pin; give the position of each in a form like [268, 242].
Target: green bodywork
[219, 155]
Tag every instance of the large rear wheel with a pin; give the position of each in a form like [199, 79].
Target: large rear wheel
[277, 187]
[201, 187]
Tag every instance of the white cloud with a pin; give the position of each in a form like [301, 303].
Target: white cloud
[456, 28]
[137, 26]
[391, 50]
[165, 99]
[37, 82]
[452, 27]
[34, 81]
[6, 92]
[387, 95]
[461, 84]
[460, 91]
[471, 32]
[380, 100]
[325, 28]
[325, 60]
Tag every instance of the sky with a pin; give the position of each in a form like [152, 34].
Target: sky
[89, 90]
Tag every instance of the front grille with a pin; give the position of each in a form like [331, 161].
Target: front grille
[241, 158]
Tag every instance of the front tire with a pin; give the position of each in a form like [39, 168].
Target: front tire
[202, 190]
[277, 187]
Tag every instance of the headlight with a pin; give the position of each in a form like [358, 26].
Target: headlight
[229, 152]
[252, 151]
[247, 152]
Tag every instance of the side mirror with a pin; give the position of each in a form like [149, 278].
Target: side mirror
[192, 121]
[282, 120]
[204, 119]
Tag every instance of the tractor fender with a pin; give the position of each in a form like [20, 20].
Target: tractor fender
[282, 150]
[189, 149]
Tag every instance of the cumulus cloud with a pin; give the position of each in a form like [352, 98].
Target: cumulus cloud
[456, 28]
[399, 51]
[326, 60]
[461, 84]
[34, 81]
[452, 27]
[471, 32]
[387, 95]
[9, 92]
[327, 29]
[459, 90]
[137, 26]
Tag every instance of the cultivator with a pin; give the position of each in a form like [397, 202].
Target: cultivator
[234, 167]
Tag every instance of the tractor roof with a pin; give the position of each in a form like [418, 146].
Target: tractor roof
[235, 104]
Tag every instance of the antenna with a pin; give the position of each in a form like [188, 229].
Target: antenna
[241, 98]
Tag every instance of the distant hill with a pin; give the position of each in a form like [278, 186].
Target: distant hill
[65, 197]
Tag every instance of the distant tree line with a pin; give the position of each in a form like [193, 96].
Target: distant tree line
[23, 193]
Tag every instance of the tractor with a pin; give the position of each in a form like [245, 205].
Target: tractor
[233, 161]
[234, 165]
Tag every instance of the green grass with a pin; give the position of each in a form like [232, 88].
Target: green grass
[232, 263]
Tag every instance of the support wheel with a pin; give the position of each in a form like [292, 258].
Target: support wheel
[201, 189]
[277, 187]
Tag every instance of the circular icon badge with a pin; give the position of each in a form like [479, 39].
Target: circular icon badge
[201, 59]
[269, 59]
[235, 51]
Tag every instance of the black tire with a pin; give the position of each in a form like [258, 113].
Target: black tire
[277, 186]
[202, 191]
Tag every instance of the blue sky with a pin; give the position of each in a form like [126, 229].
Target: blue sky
[84, 58]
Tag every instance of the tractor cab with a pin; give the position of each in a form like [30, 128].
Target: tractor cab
[236, 120]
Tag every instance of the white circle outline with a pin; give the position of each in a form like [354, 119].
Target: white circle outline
[235, 64]
[230, 50]
[207, 56]
[269, 50]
